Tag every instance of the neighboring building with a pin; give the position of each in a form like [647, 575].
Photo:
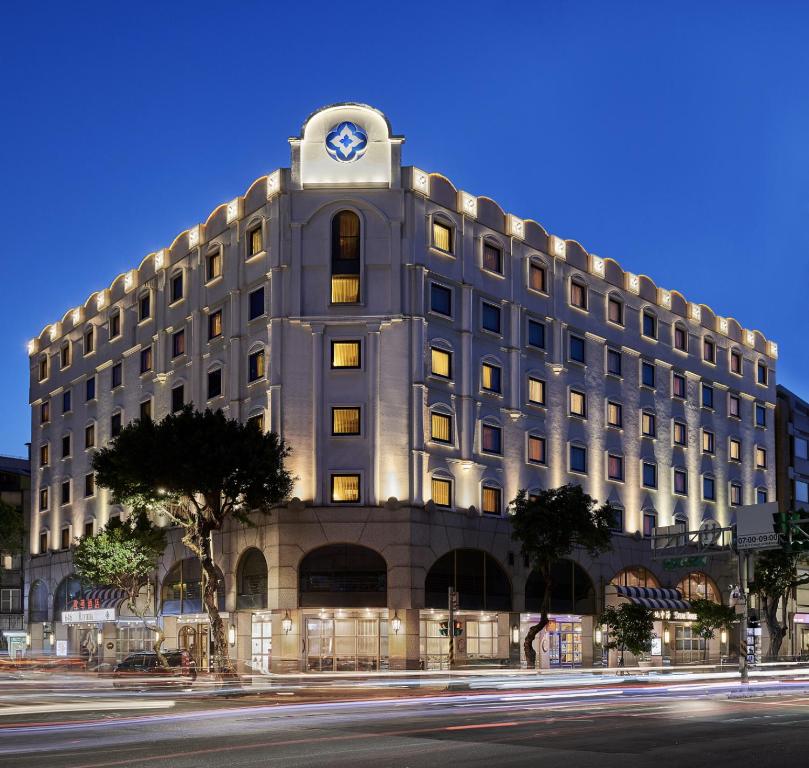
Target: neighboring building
[792, 490]
[15, 490]
[425, 355]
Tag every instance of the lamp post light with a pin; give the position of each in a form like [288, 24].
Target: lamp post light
[666, 636]
[396, 623]
[286, 623]
[515, 633]
[232, 635]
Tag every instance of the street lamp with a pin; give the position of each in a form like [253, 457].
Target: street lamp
[286, 624]
[599, 636]
[723, 636]
[232, 635]
[396, 623]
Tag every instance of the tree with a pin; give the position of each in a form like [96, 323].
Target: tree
[199, 469]
[124, 555]
[776, 577]
[549, 526]
[711, 617]
[12, 529]
[630, 627]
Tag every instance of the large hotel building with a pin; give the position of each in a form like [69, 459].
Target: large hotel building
[425, 355]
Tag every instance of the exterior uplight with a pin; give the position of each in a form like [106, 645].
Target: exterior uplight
[286, 623]
[396, 623]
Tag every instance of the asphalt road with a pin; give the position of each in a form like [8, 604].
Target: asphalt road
[631, 725]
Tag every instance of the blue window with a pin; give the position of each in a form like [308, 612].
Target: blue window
[491, 439]
[441, 299]
[536, 334]
[578, 458]
[761, 415]
[617, 520]
[491, 317]
[707, 396]
[761, 495]
[761, 373]
[67, 401]
[647, 374]
[649, 325]
[614, 362]
[577, 349]
[708, 488]
[90, 388]
[649, 523]
[256, 304]
[649, 475]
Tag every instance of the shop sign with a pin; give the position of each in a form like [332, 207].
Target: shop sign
[61, 647]
[94, 616]
[85, 604]
[674, 616]
[657, 646]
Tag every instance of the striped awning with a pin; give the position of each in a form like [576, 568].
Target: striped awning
[657, 599]
[101, 597]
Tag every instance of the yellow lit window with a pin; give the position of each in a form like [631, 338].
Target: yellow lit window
[441, 363]
[536, 277]
[442, 236]
[490, 377]
[536, 391]
[345, 289]
[44, 455]
[648, 424]
[614, 414]
[215, 324]
[258, 420]
[761, 458]
[345, 488]
[345, 354]
[707, 441]
[577, 403]
[536, 449]
[214, 265]
[345, 421]
[441, 427]
[442, 490]
[256, 241]
[736, 450]
[491, 500]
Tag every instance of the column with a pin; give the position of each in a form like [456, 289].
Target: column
[317, 413]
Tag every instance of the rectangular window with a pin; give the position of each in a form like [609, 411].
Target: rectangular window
[615, 414]
[214, 383]
[761, 458]
[708, 441]
[255, 365]
[536, 391]
[576, 349]
[215, 324]
[536, 334]
[490, 378]
[734, 406]
[491, 498]
[614, 362]
[647, 374]
[802, 491]
[67, 401]
[649, 523]
[345, 354]
[258, 420]
[89, 528]
[707, 396]
[615, 467]
[255, 241]
[145, 307]
[441, 362]
[490, 317]
[708, 351]
[65, 495]
[761, 374]
[680, 338]
[43, 499]
[537, 277]
[64, 356]
[115, 324]
[735, 450]
[735, 362]
[536, 449]
[649, 475]
[65, 540]
[578, 458]
[708, 488]
[43, 542]
[176, 287]
[146, 410]
[615, 311]
[255, 303]
[617, 520]
[681, 482]
[801, 448]
[90, 389]
[146, 360]
[214, 266]
[89, 341]
[89, 485]
[491, 439]
[177, 398]
[345, 289]
[90, 436]
[441, 492]
[678, 386]
[117, 375]
[578, 403]
[649, 325]
[761, 495]
[578, 294]
[735, 494]
[115, 424]
[761, 415]
[178, 343]
[648, 424]
[442, 236]
[43, 369]
[66, 446]
[440, 427]
[345, 421]
[492, 258]
[45, 412]
[680, 433]
[345, 489]
[44, 454]
[441, 299]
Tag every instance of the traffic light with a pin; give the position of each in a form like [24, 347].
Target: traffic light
[780, 523]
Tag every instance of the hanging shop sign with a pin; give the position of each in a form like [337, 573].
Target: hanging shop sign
[95, 616]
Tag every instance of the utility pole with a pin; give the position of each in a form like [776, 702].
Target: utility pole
[451, 627]
[743, 674]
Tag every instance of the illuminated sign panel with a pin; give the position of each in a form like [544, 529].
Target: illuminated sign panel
[94, 616]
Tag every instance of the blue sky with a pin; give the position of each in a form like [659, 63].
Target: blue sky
[673, 137]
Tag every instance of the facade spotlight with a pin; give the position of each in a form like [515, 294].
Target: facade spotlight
[232, 634]
[515, 633]
[666, 636]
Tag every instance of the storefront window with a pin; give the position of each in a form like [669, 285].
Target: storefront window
[635, 577]
[252, 580]
[132, 638]
[697, 586]
[346, 644]
[182, 589]
[481, 639]
[261, 644]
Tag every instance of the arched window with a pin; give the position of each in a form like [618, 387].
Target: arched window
[69, 589]
[578, 293]
[182, 589]
[572, 590]
[698, 586]
[251, 578]
[635, 576]
[38, 602]
[345, 258]
[479, 580]
[343, 576]
[680, 337]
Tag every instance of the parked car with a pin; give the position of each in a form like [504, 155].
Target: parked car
[142, 669]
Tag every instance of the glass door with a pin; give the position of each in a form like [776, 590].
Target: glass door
[261, 645]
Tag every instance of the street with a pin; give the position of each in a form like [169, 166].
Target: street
[623, 723]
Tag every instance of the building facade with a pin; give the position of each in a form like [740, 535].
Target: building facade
[15, 492]
[425, 355]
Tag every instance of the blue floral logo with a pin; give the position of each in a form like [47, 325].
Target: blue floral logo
[346, 142]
